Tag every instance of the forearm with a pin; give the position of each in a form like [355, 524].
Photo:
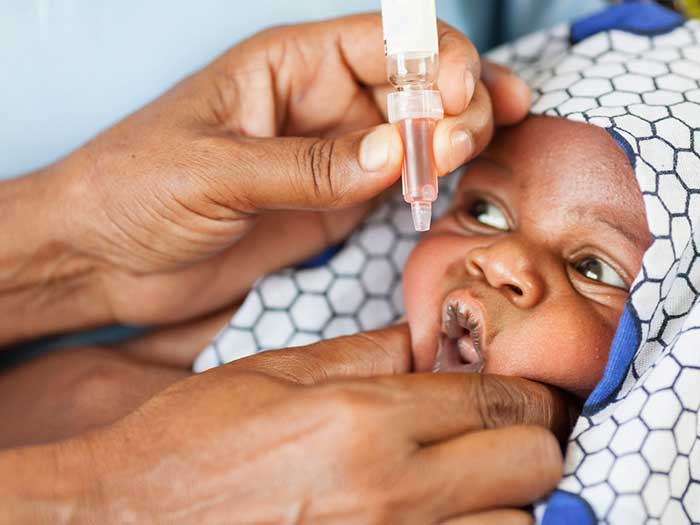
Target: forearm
[65, 394]
[46, 284]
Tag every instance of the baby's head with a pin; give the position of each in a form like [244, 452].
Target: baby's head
[531, 266]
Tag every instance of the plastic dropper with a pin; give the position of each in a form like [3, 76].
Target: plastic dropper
[411, 48]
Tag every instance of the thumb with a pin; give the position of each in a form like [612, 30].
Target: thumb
[318, 173]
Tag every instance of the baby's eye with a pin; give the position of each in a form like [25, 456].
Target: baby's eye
[597, 270]
[489, 214]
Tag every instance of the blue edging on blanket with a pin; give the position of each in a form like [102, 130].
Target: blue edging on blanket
[641, 18]
[565, 508]
[623, 348]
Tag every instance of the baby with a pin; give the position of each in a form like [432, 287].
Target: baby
[529, 270]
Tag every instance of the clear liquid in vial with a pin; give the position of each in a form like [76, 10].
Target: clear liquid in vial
[419, 178]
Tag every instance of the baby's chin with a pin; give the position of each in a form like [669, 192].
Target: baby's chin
[430, 355]
[434, 352]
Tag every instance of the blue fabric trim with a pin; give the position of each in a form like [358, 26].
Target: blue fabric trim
[322, 258]
[622, 142]
[565, 508]
[639, 17]
[624, 346]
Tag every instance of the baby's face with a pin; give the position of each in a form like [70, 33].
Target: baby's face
[531, 266]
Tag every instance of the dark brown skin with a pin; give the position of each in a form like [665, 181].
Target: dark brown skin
[157, 221]
[326, 434]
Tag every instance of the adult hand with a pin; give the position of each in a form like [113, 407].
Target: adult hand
[298, 436]
[178, 208]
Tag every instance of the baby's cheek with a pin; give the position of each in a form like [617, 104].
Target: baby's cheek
[565, 346]
[419, 276]
[426, 281]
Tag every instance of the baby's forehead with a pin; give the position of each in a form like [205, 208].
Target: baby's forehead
[560, 156]
[548, 166]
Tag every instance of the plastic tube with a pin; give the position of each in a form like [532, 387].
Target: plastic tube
[411, 47]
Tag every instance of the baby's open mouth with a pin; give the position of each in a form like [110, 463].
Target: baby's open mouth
[462, 335]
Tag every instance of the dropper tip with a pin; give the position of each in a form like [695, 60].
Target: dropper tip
[421, 212]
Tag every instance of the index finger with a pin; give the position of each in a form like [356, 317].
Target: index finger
[366, 354]
[437, 407]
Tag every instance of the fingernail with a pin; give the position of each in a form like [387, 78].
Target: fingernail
[460, 148]
[469, 86]
[374, 150]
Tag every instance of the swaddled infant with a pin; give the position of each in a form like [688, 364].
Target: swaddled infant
[528, 272]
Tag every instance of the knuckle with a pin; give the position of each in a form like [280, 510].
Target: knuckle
[546, 454]
[381, 350]
[352, 407]
[98, 384]
[292, 366]
[315, 167]
[498, 404]
[253, 370]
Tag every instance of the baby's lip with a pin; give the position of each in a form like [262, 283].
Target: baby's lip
[462, 345]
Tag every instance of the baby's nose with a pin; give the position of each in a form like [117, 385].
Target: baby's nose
[506, 265]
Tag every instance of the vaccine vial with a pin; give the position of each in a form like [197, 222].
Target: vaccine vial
[411, 48]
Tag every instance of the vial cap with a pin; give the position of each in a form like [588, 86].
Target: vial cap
[410, 26]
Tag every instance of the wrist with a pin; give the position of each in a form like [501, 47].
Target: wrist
[47, 285]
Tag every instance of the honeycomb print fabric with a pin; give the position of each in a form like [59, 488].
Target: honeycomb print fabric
[634, 455]
[358, 289]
